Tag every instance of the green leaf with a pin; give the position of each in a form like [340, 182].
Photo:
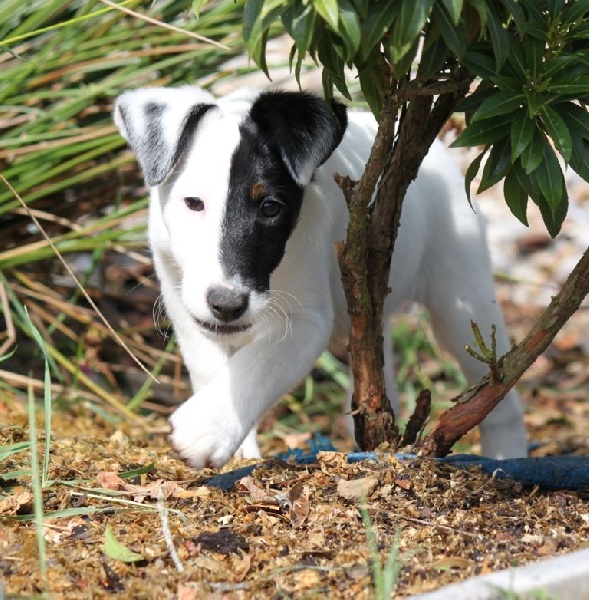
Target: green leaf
[454, 8]
[380, 18]
[531, 157]
[454, 35]
[350, 27]
[479, 61]
[482, 133]
[557, 130]
[403, 65]
[555, 8]
[251, 16]
[115, 550]
[507, 83]
[580, 157]
[500, 103]
[482, 10]
[138, 471]
[534, 49]
[473, 101]
[500, 40]
[328, 9]
[362, 7]
[196, 6]
[407, 27]
[549, 177]
[434, 55]
[333, 63]
[258, 16]
[516, 197]
[566, 86]
[299, 22]
[522, 131]
[574, 11]
[471, 173]
[557, 64]
[373, 86]
[515, 11]
[552, 217]
[497, 165]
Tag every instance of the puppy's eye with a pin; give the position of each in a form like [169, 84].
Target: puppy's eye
[271, 208]
[194, 203]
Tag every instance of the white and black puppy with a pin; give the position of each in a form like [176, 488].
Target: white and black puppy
[243, 217]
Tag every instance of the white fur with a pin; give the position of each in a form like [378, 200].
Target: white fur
[440, 260]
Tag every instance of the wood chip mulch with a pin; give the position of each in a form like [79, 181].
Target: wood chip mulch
[284, 532]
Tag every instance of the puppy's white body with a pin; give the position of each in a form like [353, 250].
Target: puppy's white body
[440, 260]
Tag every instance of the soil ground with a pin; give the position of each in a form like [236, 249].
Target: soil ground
[286, 531]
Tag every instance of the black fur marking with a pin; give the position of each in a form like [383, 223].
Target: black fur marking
[302, 127]
[156, 158]
[252, 245]
[285, 134]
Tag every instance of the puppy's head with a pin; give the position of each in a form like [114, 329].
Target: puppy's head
[228, 176]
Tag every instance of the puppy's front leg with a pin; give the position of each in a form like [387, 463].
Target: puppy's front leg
[210, 426]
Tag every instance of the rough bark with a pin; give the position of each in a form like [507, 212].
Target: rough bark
[476, 403]
[365, 257]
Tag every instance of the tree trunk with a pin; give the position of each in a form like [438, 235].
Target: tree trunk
[365, 257]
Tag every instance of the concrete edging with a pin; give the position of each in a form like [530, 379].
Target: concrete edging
[564, 577]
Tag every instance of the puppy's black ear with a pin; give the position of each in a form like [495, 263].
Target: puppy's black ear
[158, 123]
[302, 127]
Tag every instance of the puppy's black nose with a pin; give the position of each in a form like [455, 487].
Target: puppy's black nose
[227, 304]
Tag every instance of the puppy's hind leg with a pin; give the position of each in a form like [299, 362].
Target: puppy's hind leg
[462, 291]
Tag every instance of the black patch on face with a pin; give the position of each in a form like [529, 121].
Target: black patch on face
[252, 244]
[285, 137]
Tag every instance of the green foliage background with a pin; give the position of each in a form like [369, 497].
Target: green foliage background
[531, 58]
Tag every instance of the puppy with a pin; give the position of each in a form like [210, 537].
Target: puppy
[243, 216]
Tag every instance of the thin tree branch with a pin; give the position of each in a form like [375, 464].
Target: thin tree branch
[477, 402]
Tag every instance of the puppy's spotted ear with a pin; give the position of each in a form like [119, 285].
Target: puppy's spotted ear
[158, 124]
[303, 128]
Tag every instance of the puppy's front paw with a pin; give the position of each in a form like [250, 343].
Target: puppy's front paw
[205, 433]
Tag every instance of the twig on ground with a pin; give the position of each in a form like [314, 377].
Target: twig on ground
[163, 513]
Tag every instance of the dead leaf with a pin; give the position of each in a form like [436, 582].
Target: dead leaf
[187, 591]
[257, 494]
[404, 482]
[59, 533]
[109, 480]
[11, 504]
[308, 578]
[355, 489]
[332, 460]
[452, 562]
[298, 502]
[548, 548]
[241, 569]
